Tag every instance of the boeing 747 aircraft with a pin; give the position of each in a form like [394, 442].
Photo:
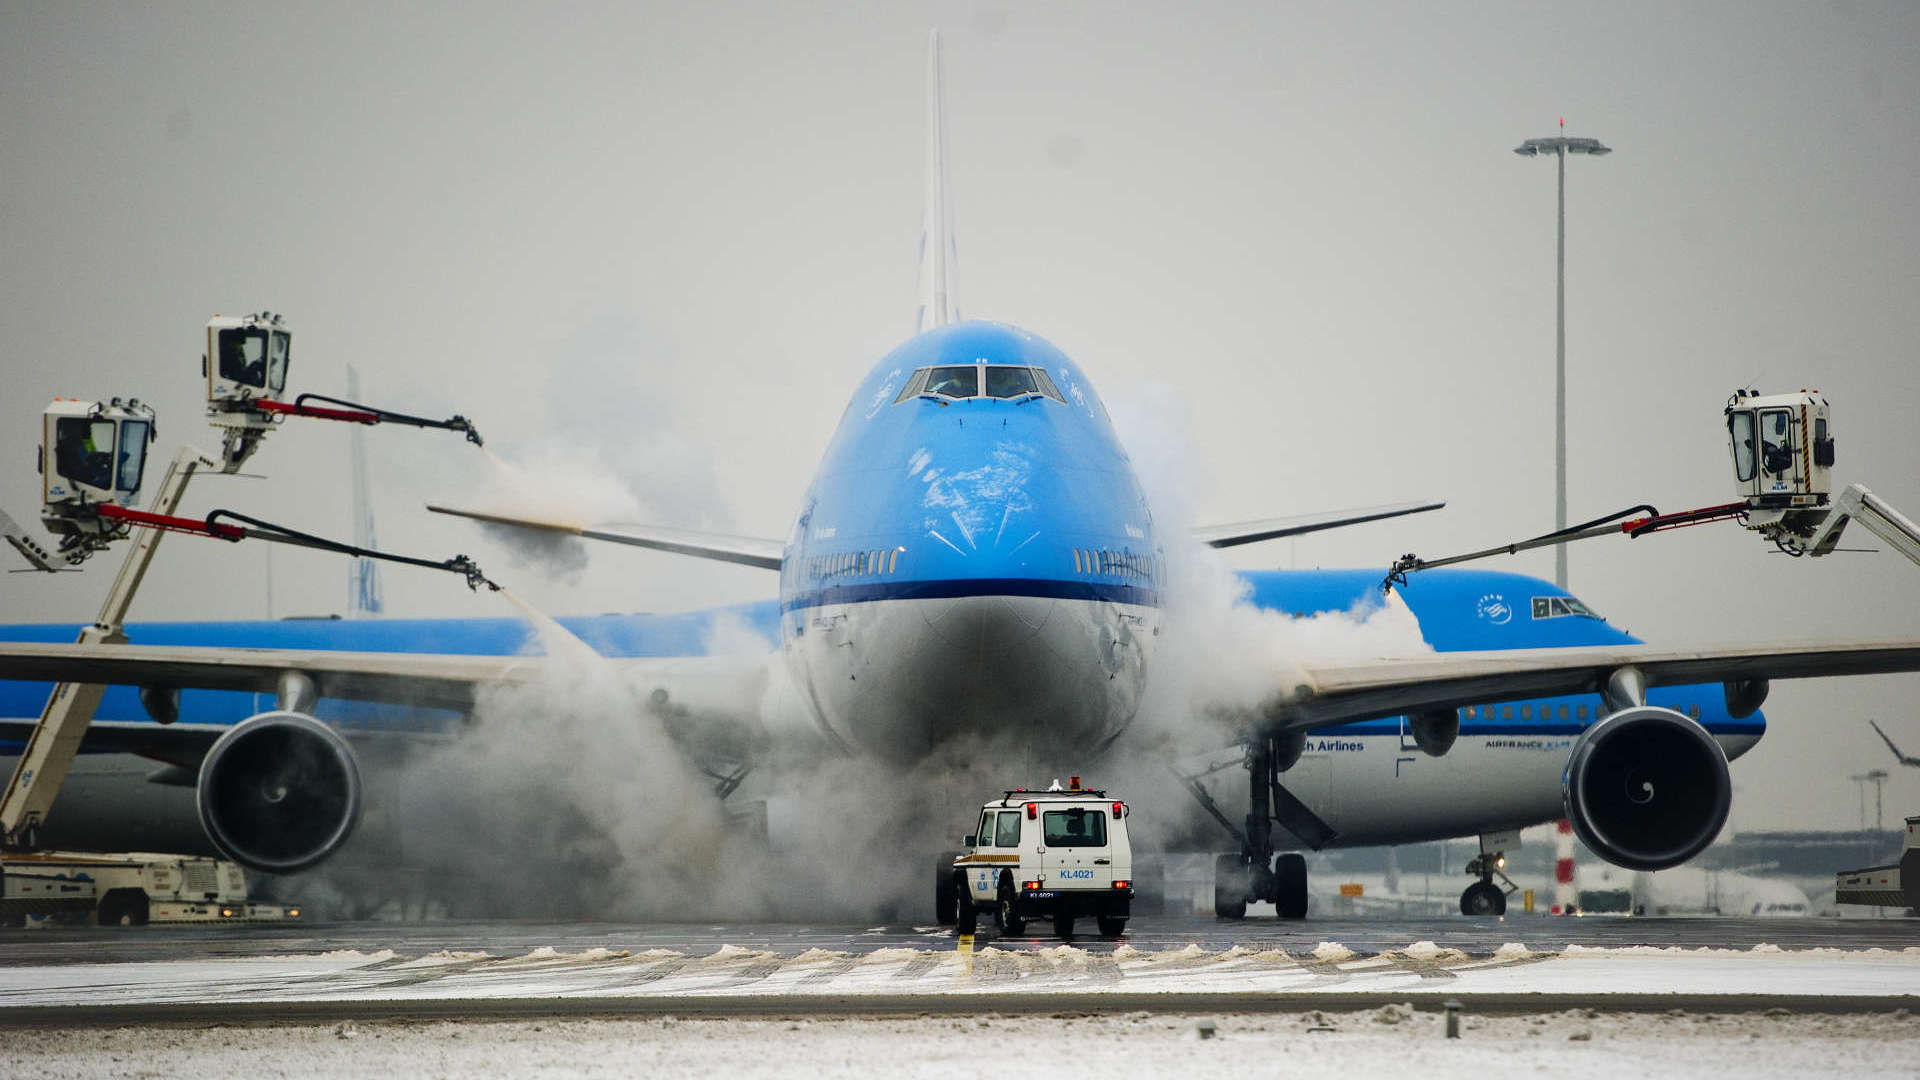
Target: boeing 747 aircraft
[975, 561]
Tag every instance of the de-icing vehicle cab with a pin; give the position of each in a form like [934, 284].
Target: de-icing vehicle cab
[1061, 853]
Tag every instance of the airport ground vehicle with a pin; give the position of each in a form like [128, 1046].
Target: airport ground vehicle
[1058, 854]
[92, 463]
[1896, 885]
[130, 888]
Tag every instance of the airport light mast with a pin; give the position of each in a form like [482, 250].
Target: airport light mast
[1876, 777]
[1560, 146]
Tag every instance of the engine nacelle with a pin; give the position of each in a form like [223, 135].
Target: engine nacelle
[1744, 696]
[1647, 788]
[279, 792]
[1435, 730]
[1287, 748]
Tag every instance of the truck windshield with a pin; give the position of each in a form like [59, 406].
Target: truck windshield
[1077, 827]
[1776, 442]
[83, 450]
[243, 357]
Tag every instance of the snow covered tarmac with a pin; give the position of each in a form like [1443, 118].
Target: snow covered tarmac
[85, 1005]
[1311, 1044]
[1036, 975]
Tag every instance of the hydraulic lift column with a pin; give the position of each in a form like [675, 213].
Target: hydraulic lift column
[69, 709]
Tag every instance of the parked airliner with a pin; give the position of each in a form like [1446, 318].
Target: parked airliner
[975, 559]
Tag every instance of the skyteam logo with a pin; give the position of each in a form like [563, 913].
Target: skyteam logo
[1493, 608]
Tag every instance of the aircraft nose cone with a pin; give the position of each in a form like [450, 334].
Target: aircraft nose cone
[984, 630]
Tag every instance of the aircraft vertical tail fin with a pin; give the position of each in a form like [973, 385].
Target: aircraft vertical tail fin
[937, 255]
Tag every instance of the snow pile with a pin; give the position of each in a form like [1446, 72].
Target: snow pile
[1428, 951]
[1331, 952]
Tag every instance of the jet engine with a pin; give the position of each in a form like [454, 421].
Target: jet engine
[1647, 788]
[279, 792]
[1435, 730]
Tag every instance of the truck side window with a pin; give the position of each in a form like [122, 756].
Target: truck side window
[1007, 834]
[984, 835]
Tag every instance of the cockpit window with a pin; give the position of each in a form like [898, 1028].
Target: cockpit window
[1046, 385]
[1003, 381]
[953, 382]
[1554, 607]
[1008, 382]
[915, 384]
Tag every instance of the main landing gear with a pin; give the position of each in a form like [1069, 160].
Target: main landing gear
[1483, 897]
[1257, 873]
[1236, 883]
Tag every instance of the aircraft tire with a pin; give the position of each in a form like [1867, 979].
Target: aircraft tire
[1483, 898]
[1229, 887]
[1290, 885]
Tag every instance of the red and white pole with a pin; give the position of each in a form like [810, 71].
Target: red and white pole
[1565, 902]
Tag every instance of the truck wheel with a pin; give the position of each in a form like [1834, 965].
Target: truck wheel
[1063, 925]
[1112, 925]
[1012, 923]
[966, 916]
[1229, 887]
[944, 893]
[122, 907]
[1290, 885]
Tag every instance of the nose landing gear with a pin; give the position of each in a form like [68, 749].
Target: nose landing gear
[1483, 897]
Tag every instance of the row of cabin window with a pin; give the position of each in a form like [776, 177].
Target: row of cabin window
[1105, 561]
[854, 562]
[979, 380]
[1547, 712]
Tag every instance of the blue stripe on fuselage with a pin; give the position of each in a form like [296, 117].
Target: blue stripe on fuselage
[952, 588]
[1468, 610]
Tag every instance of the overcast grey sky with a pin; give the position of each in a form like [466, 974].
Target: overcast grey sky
[672, 237]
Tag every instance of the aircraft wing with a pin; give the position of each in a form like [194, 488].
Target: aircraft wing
[1337, 694]
[418, 679]
[744, 550]
[1249, 532]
